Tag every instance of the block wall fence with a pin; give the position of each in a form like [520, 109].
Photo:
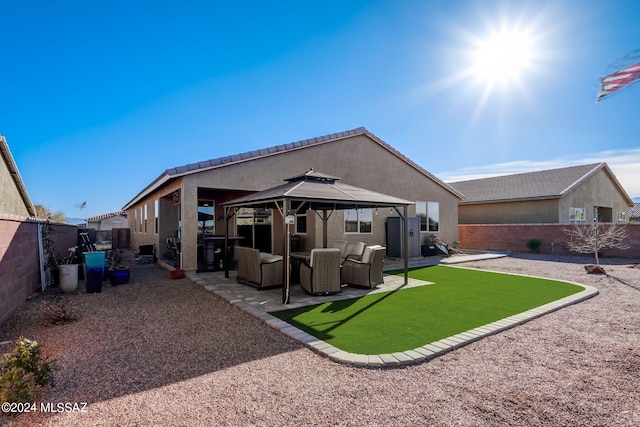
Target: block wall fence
[20, 259]
[514, 238]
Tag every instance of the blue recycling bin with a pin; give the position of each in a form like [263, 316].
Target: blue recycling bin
[94, 270]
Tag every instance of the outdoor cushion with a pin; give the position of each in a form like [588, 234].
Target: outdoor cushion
[267, 258]
[340, 244]
[368, 253]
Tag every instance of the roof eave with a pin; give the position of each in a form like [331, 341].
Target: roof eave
[15, 175]
[521, 199]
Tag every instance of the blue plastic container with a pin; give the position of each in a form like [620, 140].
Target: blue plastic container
[94, 267]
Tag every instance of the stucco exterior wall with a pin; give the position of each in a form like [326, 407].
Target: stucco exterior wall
[357, 160]
[525, 212]
[10, 200]
[598, 191]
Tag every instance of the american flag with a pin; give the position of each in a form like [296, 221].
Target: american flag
[616, 81]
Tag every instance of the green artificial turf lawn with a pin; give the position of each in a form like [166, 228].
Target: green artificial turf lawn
[459, 300]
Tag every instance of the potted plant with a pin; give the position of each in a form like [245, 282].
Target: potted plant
[117, 274]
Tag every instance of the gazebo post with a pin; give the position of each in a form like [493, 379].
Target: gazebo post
[405, 214]
[226, 242]
[325, 237]
[287, 253]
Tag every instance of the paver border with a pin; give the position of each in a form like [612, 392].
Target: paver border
[423, 353]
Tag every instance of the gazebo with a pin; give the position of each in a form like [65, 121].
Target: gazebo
[321, 193]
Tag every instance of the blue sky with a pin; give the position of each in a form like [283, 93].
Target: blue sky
[99, 98]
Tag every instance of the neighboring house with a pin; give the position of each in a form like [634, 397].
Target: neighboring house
[111, 227]
[634, 213]
[183, 203]
[566, 195]
[109, 221]
[14, 198]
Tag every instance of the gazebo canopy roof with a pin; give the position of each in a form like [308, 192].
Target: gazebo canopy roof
[320, 191]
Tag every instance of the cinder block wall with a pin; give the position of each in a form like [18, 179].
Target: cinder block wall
[514, 238]
[20, 259]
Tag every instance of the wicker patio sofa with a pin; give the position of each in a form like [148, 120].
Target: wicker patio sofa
[258, 269]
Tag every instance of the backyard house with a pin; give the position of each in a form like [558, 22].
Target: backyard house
[557, 196]
[182, 208]
[14, 198]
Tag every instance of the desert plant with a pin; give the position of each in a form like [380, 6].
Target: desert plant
[593, 239]
[58, 312]
[534, 245]
[24, 371]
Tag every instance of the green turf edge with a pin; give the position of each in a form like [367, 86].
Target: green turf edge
[357, 325]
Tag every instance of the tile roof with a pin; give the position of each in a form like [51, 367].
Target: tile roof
[270, 151]
[634, 212]
[107, 215]
[546, 184]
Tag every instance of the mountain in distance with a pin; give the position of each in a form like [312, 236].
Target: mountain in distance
[74, 221]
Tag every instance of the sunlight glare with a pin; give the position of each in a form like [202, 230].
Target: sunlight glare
[503, 57]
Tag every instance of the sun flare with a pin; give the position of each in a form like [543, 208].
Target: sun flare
[503, 57]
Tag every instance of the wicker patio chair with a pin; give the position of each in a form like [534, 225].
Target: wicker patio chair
[366, 272]
[321, 276]
[260, 270]
[349, 250]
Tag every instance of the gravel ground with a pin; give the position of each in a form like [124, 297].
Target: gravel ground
[167, 352]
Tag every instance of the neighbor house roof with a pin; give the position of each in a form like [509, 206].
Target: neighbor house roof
[540, 185]
[219, 162]
[634, 212]
[15, 174]
[107, 215]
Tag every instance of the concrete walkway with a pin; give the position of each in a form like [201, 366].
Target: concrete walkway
[261, 303]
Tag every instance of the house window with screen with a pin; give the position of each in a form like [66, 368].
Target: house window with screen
[429, 214]
[156, 212]
[577, 215]
[358, 221]
[301, 223]
[622, 216]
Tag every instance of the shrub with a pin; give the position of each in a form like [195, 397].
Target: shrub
[58, 312]
[534, 245]
[23, 372]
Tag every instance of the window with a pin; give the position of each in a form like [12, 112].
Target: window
[577, 215]
[145, 219]
[622, 217]
[301, 223]
[206, 217]
[358, 220]
[156, 212]
[135, 220]
[429, 214]
[140, 223]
